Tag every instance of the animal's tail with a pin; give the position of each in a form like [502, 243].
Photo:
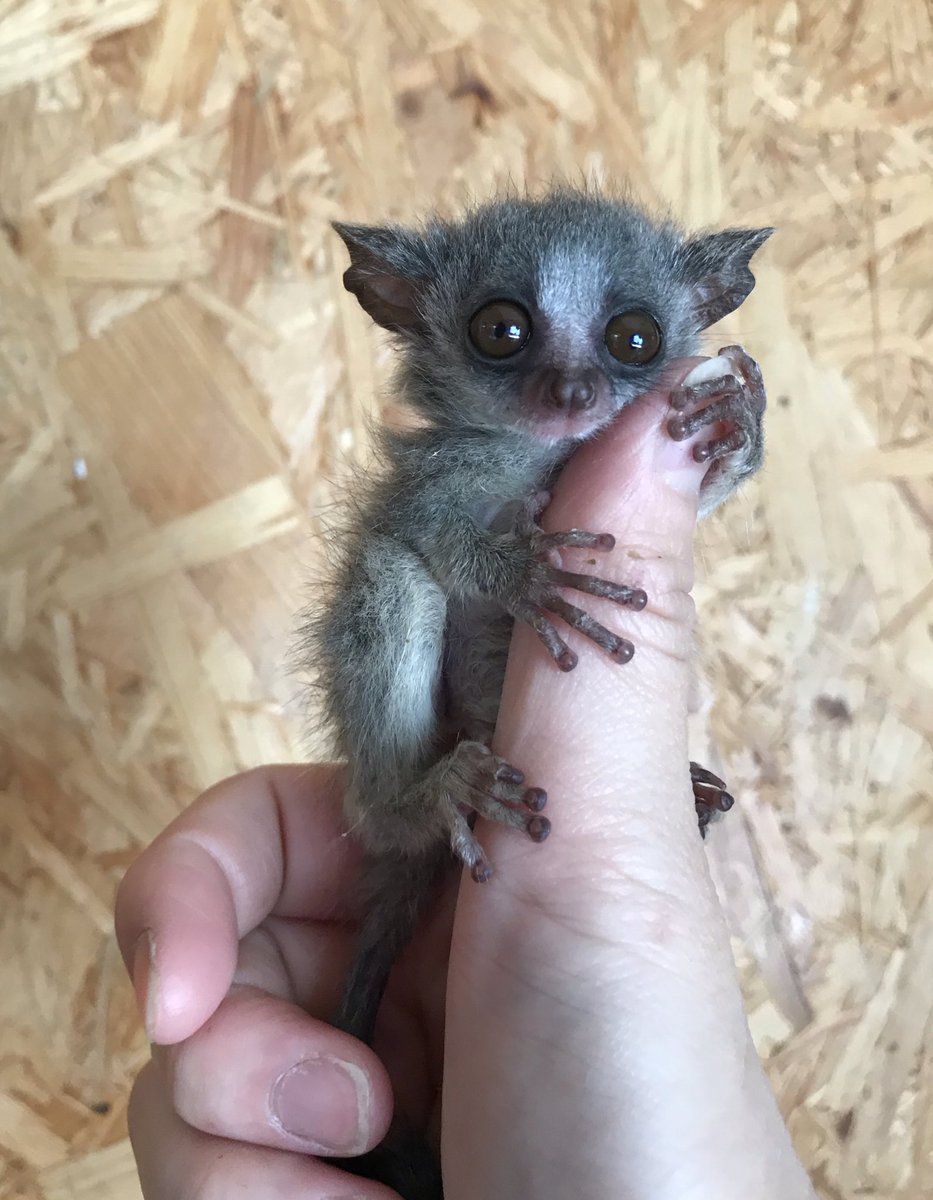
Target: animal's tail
[395, 892]
[404, 1162]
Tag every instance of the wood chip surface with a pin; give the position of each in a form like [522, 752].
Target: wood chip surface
[182, 378]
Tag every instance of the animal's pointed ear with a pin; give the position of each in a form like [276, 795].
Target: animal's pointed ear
[716, 268]
[384, 274]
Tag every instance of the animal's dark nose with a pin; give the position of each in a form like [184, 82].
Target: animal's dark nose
[571, 393]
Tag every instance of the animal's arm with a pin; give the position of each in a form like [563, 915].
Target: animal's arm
[519, 568]
[466, 557]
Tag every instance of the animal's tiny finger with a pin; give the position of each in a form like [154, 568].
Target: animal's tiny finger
[510, 795]
[466, 847]
[481, 871]
[685, 425]
[546, 630]
[707, 451]
[619, 649]
[748, 370]
[592, 585]
[686, 394]
[579, 539]
[506, 773]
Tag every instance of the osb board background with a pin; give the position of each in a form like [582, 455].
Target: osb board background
[183, 377]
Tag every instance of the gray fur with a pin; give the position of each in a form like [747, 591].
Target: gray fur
[411, 648]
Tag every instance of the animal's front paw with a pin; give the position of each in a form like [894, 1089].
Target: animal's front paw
[725, 395]
[537, 597]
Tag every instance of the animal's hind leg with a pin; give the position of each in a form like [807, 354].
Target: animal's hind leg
[387, 643]
[382, 648]
[471, 780]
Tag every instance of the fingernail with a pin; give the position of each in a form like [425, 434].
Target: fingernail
[325, 1102]
[145, 980]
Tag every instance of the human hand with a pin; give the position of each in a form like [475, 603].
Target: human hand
[595, 1041]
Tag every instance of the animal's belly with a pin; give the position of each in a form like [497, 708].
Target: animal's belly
[475, 653]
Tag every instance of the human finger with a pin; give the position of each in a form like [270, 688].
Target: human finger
[177, 1162]
[270, 840]
[620, 726]
[607, 946]
[292, 1082]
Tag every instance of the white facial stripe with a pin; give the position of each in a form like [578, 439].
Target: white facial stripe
[571, 285]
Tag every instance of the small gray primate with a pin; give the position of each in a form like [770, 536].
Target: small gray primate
[523, 329]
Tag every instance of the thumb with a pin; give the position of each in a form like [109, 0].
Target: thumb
[608, 742]
[592, 979]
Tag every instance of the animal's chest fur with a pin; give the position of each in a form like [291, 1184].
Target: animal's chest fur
[476, 648]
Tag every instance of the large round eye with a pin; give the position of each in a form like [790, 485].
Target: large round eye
[500, 329]
[633, 337]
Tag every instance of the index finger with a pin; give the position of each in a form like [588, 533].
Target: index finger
[269, 841]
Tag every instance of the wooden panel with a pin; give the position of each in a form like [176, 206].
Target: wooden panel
[182, 377]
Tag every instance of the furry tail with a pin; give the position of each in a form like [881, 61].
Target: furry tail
[404, 1162]
[395, 892]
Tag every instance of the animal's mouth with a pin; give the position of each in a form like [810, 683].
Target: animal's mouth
[551, 428]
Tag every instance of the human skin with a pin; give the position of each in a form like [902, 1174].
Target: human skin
[593, 1040]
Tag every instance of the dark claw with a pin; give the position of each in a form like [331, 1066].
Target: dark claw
[481, 871]
[509, 774]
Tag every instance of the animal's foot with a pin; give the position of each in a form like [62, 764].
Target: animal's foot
[476, 782]
[537, 597]
[710, 796]
[725, 395]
